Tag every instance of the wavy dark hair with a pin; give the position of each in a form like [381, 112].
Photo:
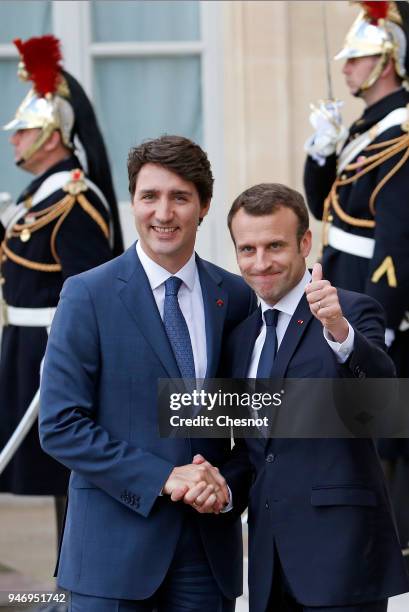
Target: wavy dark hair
[179, 155]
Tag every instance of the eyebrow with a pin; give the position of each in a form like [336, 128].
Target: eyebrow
[172, 191]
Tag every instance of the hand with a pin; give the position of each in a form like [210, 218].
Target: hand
[326, 120]
[204, 502]
[324, 305]
[202, 481]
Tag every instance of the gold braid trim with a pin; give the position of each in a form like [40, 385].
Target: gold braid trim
[343, 215]
[94, 214]
[389, 148]
[42, 218]
[56, 230]
[27, 263]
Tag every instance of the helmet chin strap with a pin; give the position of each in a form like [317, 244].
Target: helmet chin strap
[374, 75]
[42, 137]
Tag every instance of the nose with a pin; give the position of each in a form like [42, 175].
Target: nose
[261, 262]
[346, 66]
[13, 138]
[164, 211]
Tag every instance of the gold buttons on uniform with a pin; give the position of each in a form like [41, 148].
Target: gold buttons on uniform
[25, 235]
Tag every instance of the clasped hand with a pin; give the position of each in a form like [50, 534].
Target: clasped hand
[198, 484]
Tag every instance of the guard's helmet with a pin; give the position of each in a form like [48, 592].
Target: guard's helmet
[382, 29]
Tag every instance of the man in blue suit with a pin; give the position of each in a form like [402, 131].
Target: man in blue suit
[157, 311]
[321, 533]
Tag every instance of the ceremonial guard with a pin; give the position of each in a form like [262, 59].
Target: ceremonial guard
[357, 182]
[66, 221]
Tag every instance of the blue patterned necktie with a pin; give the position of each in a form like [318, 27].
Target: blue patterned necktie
[268, 354]
[177, 329]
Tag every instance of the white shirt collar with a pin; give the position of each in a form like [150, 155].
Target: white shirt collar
[290, 301]
[158, 275]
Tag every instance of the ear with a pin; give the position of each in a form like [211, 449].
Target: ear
[306, 243]
[204, 209]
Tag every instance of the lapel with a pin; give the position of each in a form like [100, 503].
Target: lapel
[292, 337]
[250, 329]
[215, 315]
[137, 297]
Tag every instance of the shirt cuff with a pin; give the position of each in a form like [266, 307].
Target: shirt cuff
[229, 506]
[342, 350]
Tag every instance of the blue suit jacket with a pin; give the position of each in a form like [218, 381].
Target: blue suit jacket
[321, 503]
[98, 416]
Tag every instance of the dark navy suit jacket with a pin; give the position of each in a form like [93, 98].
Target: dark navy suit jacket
[322, 503]
[106, 352]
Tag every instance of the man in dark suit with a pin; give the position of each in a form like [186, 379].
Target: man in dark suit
[158, 311]
[321, 533]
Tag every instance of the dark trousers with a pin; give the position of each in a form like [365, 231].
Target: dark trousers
[282, 599]
[189, 585]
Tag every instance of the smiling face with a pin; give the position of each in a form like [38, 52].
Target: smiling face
[269, 256]
[167, 211]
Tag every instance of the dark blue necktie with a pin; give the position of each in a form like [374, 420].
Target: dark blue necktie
[177, 329]
[265, 364]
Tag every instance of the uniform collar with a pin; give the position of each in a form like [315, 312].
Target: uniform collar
[70, 163]
[380, 109]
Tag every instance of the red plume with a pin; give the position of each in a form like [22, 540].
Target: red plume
[375, 10]
[42, 59]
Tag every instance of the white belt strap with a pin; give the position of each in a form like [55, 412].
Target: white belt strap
[58, 181]
[350, 152]
[28, 317]
[350, 243]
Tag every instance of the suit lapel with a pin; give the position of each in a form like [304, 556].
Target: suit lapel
[292, 337]
[136, 294]
[215, 302]
[249, 330]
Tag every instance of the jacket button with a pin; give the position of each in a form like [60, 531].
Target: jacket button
[270, 458]
[267, 505]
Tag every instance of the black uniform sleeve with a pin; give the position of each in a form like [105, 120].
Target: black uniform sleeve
[318, 181]
[81, 244]
[2, 232]
[388, 274]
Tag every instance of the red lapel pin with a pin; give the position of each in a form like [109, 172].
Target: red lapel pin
[300, 321]
[220, 303]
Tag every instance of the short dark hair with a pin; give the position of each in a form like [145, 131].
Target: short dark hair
[267, 198]
[177, 154]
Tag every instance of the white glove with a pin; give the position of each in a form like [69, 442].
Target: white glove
[389, 337]
[329, 131]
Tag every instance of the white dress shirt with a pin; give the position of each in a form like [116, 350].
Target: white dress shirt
[191, 304]
[190, 301]
[286, 307]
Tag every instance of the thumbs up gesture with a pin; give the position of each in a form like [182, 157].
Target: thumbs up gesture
[324, 305]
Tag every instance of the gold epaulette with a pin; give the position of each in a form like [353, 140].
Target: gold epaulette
[34, 221]
[386, 150]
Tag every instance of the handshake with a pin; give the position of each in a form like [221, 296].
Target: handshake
[200, 485]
